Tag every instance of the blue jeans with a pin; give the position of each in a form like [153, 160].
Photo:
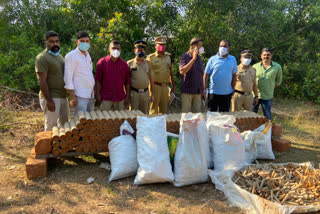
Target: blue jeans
[266, 107]
[84, 104]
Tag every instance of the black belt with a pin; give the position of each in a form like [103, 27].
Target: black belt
[163, 84]
[139, 90]
[243, 93]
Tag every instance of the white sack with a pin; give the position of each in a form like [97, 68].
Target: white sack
[123, 157]
[228, 146]
[263, 142]
[153, 152]
[217, 119]
[190, 162]
[250, 146]
[126, 128]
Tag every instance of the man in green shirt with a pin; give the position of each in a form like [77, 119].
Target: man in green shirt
[49, 66]
[269, 76]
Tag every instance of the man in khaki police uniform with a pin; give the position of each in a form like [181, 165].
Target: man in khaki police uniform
[161, 67]
[245, 84]
[140, 77]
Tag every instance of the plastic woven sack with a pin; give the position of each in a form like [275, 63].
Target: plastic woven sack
[263, 141]
[153, 152]
[250, 146]
[228, 146]
[190, 163]
[123, 157]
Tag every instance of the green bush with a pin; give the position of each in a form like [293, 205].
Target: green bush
[290, 28]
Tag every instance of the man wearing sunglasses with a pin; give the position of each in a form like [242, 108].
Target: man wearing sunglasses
[269, 76]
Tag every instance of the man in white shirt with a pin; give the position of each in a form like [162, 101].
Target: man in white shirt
[78, 76]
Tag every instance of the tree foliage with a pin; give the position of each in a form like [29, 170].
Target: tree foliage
[290, 27]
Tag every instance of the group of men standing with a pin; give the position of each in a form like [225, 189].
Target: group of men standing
[231, 85]
[143, 80]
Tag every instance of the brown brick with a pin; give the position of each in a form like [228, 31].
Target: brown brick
[36, 168]
[276, 130]
[43, 143]
[280, 145]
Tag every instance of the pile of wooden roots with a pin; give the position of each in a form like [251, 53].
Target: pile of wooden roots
[289, 184]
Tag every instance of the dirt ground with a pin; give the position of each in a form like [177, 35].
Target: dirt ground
[66, 190]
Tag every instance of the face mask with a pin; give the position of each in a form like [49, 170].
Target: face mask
[55, 50]
[83, 46]
[140, 54]
[223, 51]
[246, 61]
[201, 50]
[115, 53]
[161, 48]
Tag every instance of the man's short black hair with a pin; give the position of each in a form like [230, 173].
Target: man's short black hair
[195, 41]
[114, 42]
[49, 34]
[227, 41]
[82, 34]
[266, 50]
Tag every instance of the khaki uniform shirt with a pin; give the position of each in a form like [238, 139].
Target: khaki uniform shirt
[245, 78]
[54, 67]
[139, 74]
[160, 67]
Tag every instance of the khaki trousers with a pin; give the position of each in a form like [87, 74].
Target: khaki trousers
[140, 101]
[191, 103]
[109, 105]
[241, 102]
[59, 116]
[161, 99]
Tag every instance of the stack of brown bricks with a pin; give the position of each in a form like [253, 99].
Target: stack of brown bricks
[38, 167]
[91, 132]
[244, 121]
[86, 133]
[173, 123]
[278, 144]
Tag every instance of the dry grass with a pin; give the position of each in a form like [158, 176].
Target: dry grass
[65, 190]
[302, 128]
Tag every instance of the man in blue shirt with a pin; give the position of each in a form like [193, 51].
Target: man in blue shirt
[221, 69]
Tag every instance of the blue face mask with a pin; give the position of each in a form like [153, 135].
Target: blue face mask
[83, 46]
[55, 50]
[54, 53]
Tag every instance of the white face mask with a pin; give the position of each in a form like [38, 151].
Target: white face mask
[201, 50]
[115, 53]
[223, 51]
[246, 61]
